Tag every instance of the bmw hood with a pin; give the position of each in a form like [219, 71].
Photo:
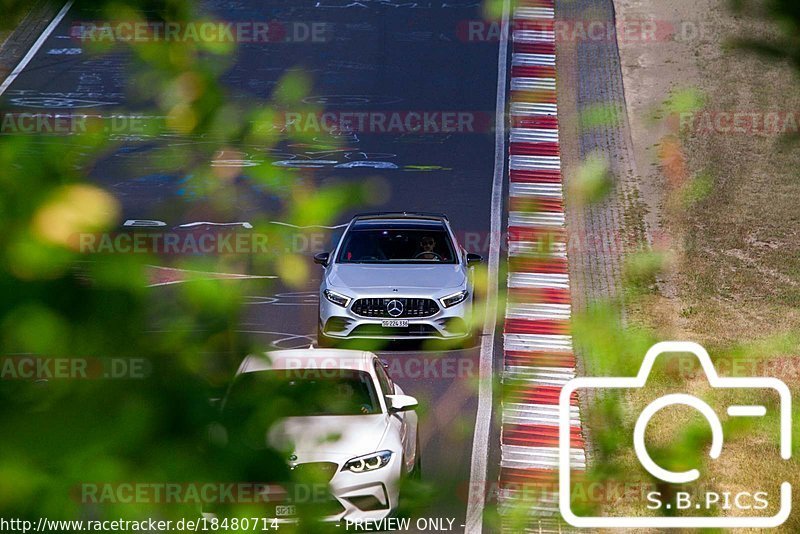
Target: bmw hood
[408, 276]
[339, 436]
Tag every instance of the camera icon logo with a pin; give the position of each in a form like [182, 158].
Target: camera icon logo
[673, 477]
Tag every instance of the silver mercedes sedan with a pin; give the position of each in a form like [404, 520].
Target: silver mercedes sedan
[396, 276]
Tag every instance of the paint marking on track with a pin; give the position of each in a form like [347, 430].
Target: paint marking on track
[35, 48]
[480, 440]
[309, 226]
[166, 276]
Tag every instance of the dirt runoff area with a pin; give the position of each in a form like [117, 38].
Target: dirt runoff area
[717, 153]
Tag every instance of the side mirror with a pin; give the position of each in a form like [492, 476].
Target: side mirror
[401, 403]
[217, 434]
[473, 259]
[322, 258]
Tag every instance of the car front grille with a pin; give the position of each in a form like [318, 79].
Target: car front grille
[379, 307]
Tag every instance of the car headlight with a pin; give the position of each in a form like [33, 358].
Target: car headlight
[368, 462]
[337, 298]
[455, 298]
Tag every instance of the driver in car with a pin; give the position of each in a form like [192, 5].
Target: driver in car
[427, 244]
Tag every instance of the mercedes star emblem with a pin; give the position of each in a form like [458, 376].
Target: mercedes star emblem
[394, 308]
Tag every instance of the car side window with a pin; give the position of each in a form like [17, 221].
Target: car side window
[386, 383]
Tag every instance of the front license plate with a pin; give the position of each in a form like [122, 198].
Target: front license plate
[394, 323]
[285, 510]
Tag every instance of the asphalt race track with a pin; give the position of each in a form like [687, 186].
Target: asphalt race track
[374, 56]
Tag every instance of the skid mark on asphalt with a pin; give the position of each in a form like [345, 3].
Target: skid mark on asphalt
[285, 340]
[285, 299]
[164, 276]
[395, 4]
[308, 226]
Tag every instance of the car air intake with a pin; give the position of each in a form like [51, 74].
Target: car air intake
[376, 330]
[367, 503]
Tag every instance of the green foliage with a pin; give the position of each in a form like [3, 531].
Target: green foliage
[600, 115]
[592, 181]
[62, 436]
[784, 43]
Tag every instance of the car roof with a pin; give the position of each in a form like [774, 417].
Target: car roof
[428, 224]
[310, 358]
[401, 215]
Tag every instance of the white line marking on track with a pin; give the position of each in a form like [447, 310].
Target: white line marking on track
[534, 135]
[536, 280]
[305, 340]
[542, 60]
[309, 226]
[535, 163]
[480, 439]
[203, 275]
[529, 248]
[35, 48]
[540, 457]
[536, 342]
[532, 189]
[534, 36]
[533, 84]
[534, 13]
[533, 108]
[554, 376]
[538, 414]
[538, 310]
[536, 218]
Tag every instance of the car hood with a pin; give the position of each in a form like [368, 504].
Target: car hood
[337, 436]
[385, 277]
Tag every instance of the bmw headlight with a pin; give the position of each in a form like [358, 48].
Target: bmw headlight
[368, 462]
[337, 298]
[455, 298]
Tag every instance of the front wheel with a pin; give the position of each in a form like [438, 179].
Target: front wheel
[416, 471]
[324, 341]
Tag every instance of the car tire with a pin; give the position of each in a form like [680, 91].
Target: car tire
[473, 339]
[324, 341]
[416, 471]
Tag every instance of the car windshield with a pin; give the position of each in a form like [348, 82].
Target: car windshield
[304, 392]
[397, 245]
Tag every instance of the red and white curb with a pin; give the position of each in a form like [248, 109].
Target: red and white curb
[538, 355]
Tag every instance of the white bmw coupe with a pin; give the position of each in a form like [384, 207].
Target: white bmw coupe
[343, 422]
